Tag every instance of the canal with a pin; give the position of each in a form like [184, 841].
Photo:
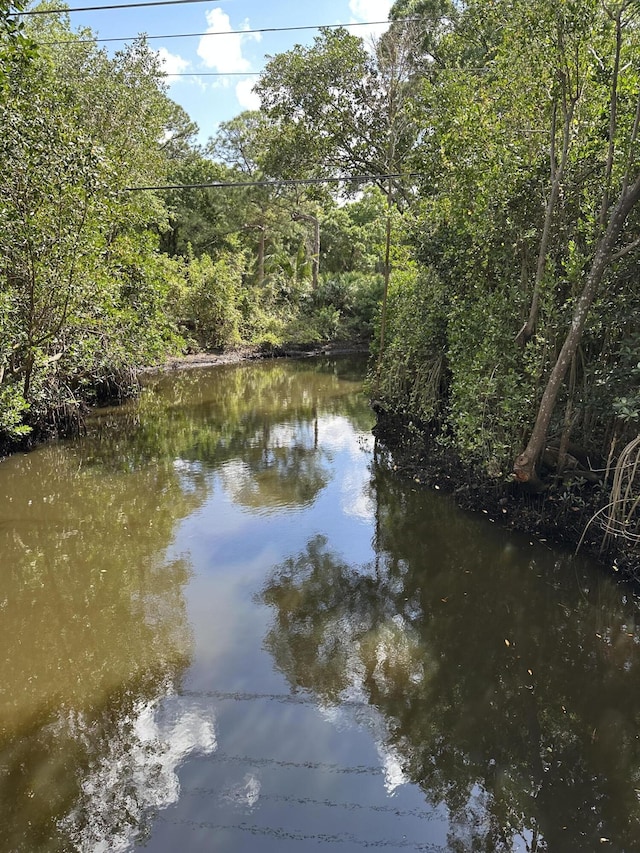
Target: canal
[226, 625]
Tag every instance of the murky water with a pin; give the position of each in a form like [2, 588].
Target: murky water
[224, 626]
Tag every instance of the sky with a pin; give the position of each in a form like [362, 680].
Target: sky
[233, 52]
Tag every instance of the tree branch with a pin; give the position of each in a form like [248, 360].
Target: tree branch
[626, 250]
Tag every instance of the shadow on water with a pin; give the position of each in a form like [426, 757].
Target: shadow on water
[508, 686]
[497, 681]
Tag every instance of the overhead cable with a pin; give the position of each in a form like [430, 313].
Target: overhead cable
[110, 6]
[276, 183]
[227, 32]
[211, 73]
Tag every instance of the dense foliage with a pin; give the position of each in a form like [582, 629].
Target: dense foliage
[98, 279]
[83, 289]
[494, 244]
[515, 330]
[511, 327]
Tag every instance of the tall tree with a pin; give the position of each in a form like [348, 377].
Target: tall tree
[82, 288]
[341, 110]
[526, 229]
[244, 145]
[338, 109]
[619, 194]
[241, 145]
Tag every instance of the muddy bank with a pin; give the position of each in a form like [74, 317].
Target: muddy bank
[257, 352]
[561, 514]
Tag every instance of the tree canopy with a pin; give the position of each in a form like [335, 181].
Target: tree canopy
[488, 175]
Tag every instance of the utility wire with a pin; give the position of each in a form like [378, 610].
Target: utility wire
[112, 6]
[227, 33]
[277, 183]
[166, 75]
[211, 73]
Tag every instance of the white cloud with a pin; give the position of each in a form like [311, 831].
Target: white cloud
[225, 54]
[247, 98]
[370, 10]
[172, 63]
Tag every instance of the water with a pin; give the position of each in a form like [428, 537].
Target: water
[225, 625]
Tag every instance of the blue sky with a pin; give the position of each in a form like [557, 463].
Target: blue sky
[209, 99]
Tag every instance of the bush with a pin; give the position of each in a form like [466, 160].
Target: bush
[345, 305]
[412, 374]
[210, 302]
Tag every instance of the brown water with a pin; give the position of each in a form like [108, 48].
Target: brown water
[225, 626]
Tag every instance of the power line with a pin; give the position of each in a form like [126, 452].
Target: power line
[212, 73]
[290, 834]
[293, 182]
[324, 766]
[168, 74]
[225, 33]
[285, 698]
[112, 6]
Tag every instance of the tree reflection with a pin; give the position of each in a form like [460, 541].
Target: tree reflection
[93, 628]
[282, 467]
[94, 635]
[257, 424]
[509, 692]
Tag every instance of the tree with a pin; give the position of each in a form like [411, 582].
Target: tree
[83, 288]
[341, 110]
[241, 145]
[525, 230]
[607, 227]
[566, 51]
[353, 234]
[526, 463]
[201, 219]
[17, 50]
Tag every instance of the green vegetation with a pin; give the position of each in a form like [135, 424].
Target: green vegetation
[508, 330]
[493, 249]
[97, 280]
[509, 318]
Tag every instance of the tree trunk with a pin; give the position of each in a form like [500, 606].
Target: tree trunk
[315, 257]
[525, 465]
[315, 268]
[613, 117]
[557, 174]
[387, 276]
[261, 252]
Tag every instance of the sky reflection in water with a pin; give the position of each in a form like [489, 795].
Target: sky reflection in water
[227, 626]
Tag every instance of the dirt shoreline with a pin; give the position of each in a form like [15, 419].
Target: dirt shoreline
[562, 514]
[256, 353]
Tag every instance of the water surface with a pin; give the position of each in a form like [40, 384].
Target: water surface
[225, 625]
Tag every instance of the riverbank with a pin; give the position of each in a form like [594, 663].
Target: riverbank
[68, 420]
[256, 352]
[563, 513]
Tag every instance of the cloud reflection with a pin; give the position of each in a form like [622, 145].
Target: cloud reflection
[138, 773]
